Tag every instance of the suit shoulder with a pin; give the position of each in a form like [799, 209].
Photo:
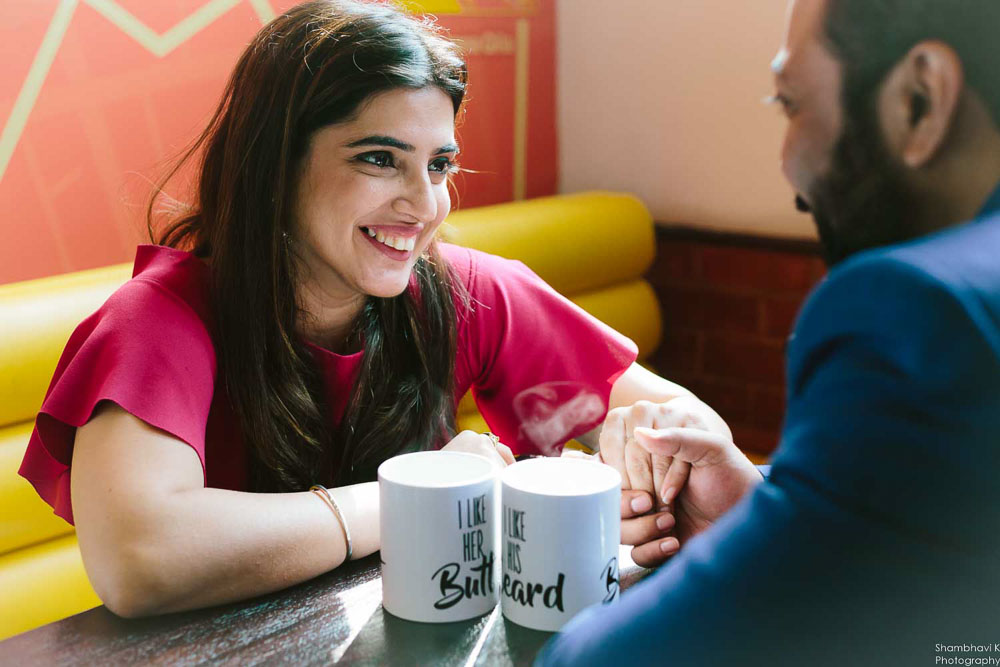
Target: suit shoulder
[902, 305]
[952, 272]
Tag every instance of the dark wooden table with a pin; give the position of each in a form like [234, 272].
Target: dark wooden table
[337, 617]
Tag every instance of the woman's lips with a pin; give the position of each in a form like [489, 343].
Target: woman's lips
[398, 238]
[392, 246]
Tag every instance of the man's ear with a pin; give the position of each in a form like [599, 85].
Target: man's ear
[919, 101]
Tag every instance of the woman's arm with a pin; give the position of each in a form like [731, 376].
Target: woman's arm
[635, 384]
[638, 384]
[155, 540]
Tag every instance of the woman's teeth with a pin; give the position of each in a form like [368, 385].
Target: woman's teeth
[396, 242]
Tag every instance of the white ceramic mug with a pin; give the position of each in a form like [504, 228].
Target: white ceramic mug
[560, 530]
[439, 532]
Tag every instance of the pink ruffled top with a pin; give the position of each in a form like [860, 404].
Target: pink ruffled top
[539, 367]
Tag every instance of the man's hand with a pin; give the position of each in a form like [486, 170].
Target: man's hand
[720, 475]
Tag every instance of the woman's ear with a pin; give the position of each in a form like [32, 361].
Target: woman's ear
[919, 102]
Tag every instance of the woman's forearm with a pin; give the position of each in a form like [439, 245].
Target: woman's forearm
[155, 540]
[638, 384]
[635, 384]
[210, 546]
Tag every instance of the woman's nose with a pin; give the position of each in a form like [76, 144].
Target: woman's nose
[419, 201]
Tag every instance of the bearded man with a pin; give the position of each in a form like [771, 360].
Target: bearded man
[876, 537]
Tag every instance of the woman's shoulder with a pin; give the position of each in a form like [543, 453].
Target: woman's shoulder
[167, 294]
[169, 273]
[461, 261]
[482, 273]
[150, 339]
[162, 311]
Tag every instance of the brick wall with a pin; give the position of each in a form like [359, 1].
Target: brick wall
[729, 303]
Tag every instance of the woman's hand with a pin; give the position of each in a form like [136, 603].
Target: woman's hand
[480, 444]
[660, 476]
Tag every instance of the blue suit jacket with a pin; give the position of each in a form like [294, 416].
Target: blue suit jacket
[876, 537]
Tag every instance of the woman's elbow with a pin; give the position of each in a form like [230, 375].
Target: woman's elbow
[129, 583]
[126, 602]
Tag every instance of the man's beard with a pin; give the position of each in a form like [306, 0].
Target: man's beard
[863, 201]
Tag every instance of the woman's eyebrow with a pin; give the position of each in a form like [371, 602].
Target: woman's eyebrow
[381, 140]
[391, 142]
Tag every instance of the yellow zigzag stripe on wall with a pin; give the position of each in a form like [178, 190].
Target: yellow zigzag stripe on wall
[39, 69]
[431, 6]
[161, 45]
[158, 45]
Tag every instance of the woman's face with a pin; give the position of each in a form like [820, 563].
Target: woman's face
[372, 193]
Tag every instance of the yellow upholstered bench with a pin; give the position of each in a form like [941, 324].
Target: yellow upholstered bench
[592, 247]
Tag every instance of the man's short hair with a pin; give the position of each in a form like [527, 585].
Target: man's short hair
[869, 37]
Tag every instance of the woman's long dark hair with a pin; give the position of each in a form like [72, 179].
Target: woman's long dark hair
[307, 69]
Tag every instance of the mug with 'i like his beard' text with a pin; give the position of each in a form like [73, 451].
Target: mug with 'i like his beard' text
[560, 533]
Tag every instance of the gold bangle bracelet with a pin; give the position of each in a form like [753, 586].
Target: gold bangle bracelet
[325, 496]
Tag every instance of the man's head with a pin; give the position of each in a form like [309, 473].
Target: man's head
[893, 108]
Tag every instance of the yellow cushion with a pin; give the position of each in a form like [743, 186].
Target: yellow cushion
[631, 308]
[24, 517]
[41, 584]
[36, 319]
[574, 242]
[470, 420]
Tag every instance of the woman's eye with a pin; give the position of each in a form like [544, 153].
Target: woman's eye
[381, 159]
[442, 165]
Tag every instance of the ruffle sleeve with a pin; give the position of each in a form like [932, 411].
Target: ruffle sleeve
[146, 350]
[540, 367]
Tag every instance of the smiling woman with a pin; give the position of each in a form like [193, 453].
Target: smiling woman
[332, 125]
[297, 324]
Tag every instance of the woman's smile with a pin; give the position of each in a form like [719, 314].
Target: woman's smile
[394, 242]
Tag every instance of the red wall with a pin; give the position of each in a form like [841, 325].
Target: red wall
[95, 96]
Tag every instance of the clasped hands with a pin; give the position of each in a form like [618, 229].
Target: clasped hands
[680, 471]
[679, 466]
